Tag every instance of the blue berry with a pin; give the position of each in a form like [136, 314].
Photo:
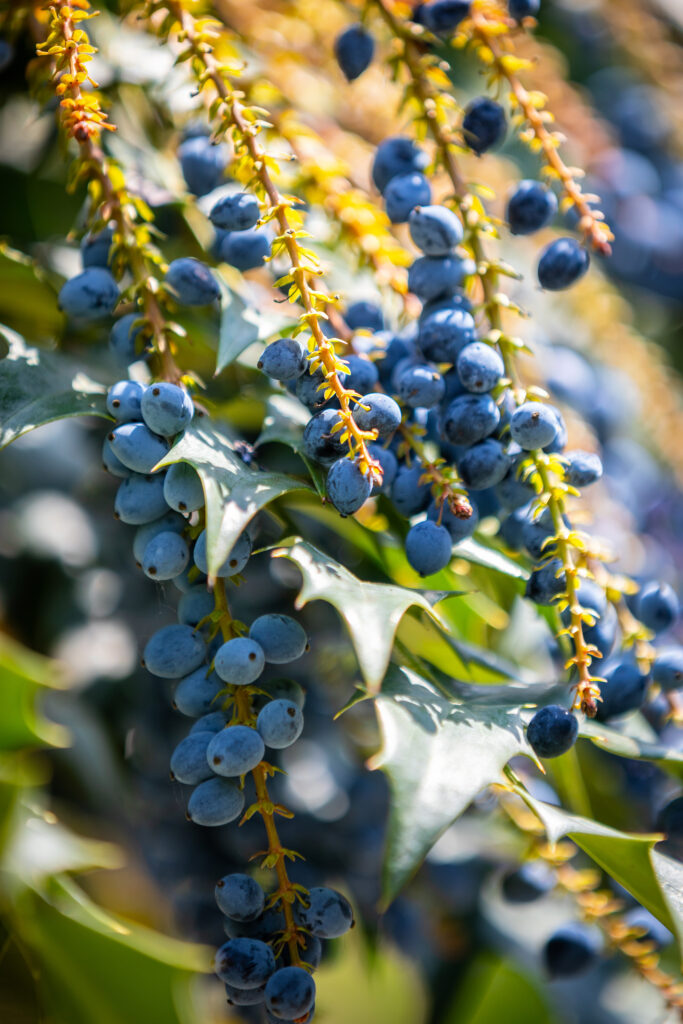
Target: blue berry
[196, 694]
[283, 359]
[483, 124]
[91, 295]
[283, 689]
[190, 578]
[647, 924]
[240, 897]
[603, 633]
[245, 250]
[309, 391]
[237, 212]
[536, 534]
[431, 277]
[533, 425]
[212, 722]
[195, 605]
[363, 376]
[245, 996]
[137, 447]
[95, 249]
[239, 661]
[457, 527]
[383, 414]
[174, 651]
[183, 488]
[112, 463]
[192, 282]
[562, 263]
[658, 606]
[479, 367]
[514, 490]
[583, 468]
[264, 927]
[571, 950]
[188, 760]
[393, 351]
[143, 535]
[215, 802]
[428, 547]
[354, 49]
[624, 688]
[435, 230]
[123, 339]
[530, 207]
[165, 556]
[280, 723]
[203, 164]
[319, 442]
[421, 387]
[166, 409]
[328, 914]
[591, 597]
[233, 564]
[407, 493]
[281, 637]
[667, 669]
[544, 584]
[140, 499]
[389, 464]
[552, 731]
[235, 750]
[404, 193]
[364, 316]
[523, 8]
[347, 487]
[290, 993]
[470, 418]
[442, 16]
[395, 156]
[245, 963]
[444, 333]
[528, 882]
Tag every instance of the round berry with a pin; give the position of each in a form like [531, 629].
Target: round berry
[165, 556]
[237, 212]
[240, 897]
[290, 993]
[235, 750]
[479, 367]
[245, 963]
[552, 731]
[428, 547]
[188, 760]
[483, 124]
[280, 723]
[354, 49]
[166, 409]
[240, 661]
[191, 282]
[658, 606]
[533, 425]
[530, 208]
[174, 651]
[347, 486]
[215, 802]
[435, 230]
[562, 263]
[281, 637]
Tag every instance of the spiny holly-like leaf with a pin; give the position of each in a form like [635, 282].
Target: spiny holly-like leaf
[284, 423]
[82, 953]
[635, 747]
[655, 880]
[371, 611]
[234, 492]
[438, 755]
[38, 387]
[241, 325]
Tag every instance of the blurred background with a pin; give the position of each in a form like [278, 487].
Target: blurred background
[92, 760]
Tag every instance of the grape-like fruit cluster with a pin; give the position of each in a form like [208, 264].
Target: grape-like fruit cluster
[223, 746]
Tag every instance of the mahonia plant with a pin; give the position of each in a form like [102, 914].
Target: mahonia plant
[399, 378]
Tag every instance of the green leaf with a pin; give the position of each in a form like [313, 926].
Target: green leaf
[241, 325]
[93, 966]
[635, 747]
[438, 755]
[284, 423]
[23, 675]
[40, 847]
[656, 881]
[371, 611]
[492, 983]
[38, 387]
[473, 551]
[234, 492]
[27, 299]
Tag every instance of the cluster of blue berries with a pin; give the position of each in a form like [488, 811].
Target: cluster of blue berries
[219, 751]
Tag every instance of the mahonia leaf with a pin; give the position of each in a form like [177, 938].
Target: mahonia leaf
[23, 675]
[284, 423]
[241, 325]
[655, 880]
[438, 755]
[39, 387]
[233, 491]
[636, 747]
[371, 611]
[473, 551]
